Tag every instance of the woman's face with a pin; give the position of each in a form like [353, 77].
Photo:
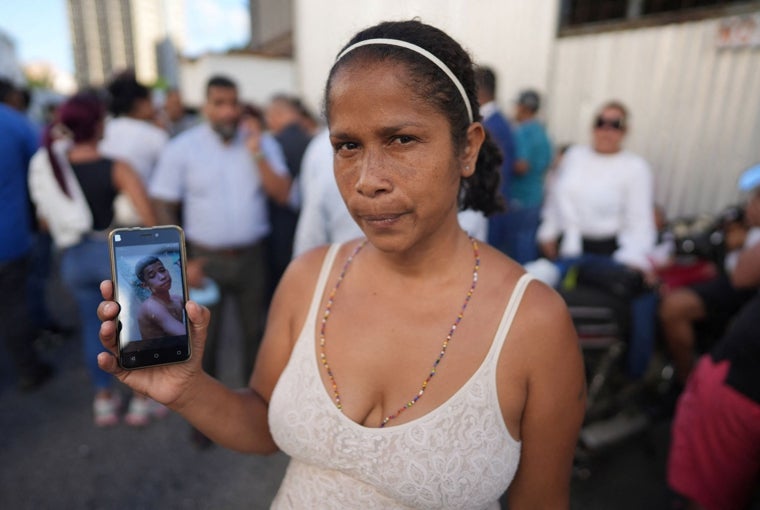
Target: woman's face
[609, 131]
[156, 278]
[395, 163]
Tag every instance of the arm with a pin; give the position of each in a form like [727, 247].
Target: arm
[245, 425]
[550, 229]
[128, 182]
[747, 271]
[521, 165]
[166, 212]
[233, 419]
[316, 170]
[275, 178]
[638, 233]
[555, 402]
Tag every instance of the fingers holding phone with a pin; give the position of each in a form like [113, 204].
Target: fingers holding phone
[164, 383]
[148, 271]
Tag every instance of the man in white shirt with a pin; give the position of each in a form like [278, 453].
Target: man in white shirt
[324, 218]
[222, 177]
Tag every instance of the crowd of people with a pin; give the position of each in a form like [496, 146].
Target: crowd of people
[404, 194]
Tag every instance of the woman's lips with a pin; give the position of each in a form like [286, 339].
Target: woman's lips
[380, 219]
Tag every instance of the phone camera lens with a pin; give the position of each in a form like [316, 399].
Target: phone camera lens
[155, 235]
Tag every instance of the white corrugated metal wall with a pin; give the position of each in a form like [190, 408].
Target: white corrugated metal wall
[695, 108]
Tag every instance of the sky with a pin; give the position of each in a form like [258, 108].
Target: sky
[40, 28]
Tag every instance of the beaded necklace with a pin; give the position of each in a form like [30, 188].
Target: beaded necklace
[328, 308]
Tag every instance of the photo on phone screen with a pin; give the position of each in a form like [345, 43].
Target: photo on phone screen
[148, 271]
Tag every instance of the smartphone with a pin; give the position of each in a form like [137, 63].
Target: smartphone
[150, 285]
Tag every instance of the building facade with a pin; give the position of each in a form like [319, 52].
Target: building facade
[109, 36]
[10, 69]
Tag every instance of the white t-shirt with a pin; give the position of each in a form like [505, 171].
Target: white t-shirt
[598, 196]
[136, 142]
[224, 203]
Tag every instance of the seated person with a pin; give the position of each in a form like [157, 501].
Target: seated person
[714, 459]
[712, 303]
[599, 213]
[601, 199]
[160, 315]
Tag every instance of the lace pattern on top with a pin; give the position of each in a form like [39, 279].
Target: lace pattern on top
[459, 455]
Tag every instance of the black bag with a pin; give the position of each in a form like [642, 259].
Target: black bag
[619, 281]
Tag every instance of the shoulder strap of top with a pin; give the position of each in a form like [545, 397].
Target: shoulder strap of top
[322, 280]
[509, 313]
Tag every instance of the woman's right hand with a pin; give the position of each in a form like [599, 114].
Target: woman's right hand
[171, 385]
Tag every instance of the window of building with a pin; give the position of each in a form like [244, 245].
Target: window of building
[612, 14]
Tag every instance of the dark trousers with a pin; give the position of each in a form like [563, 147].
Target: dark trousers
[15, 324]
[242, 277]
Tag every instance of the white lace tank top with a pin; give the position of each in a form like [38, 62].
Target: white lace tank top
[460, 455]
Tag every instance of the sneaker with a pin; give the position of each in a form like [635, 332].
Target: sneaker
[107, 410]
[138, 414]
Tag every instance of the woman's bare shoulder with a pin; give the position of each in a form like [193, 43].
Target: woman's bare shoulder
[542, 315]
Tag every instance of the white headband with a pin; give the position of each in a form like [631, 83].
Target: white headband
[422, 51]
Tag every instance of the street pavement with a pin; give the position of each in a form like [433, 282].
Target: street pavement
[52, 456]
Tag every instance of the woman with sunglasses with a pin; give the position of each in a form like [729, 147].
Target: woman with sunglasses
[603, 198]
[599, 215]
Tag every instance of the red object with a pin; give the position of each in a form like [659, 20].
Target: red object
[679, 274]
[715, 449]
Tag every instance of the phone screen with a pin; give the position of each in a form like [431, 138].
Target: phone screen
[148, 272]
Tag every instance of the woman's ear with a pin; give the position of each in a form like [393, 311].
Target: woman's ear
[476, 134]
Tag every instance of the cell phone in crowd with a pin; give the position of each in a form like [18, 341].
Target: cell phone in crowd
[150, 285]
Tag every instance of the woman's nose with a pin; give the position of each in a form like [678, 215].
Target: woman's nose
[373, 175]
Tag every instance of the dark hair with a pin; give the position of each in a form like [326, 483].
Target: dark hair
[481, 190]
[142, 264]
[616, 105]
[485, 80]
[78, 118]
[6, 89]
[124, 92]
[220, 81]
[251, 110]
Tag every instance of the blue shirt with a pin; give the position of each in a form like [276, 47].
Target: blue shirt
[500, 131]
[18, 143]
[532, 146]
[219, 186]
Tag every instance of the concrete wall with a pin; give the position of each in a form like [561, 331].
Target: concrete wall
[258, 78]
[514, 37]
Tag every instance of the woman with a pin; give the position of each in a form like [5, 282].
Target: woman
[602, 199]
[401, 382]
[131, 135]
[599, 214]
[73, 187]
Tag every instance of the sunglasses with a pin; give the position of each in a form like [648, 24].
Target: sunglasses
[616, 124]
